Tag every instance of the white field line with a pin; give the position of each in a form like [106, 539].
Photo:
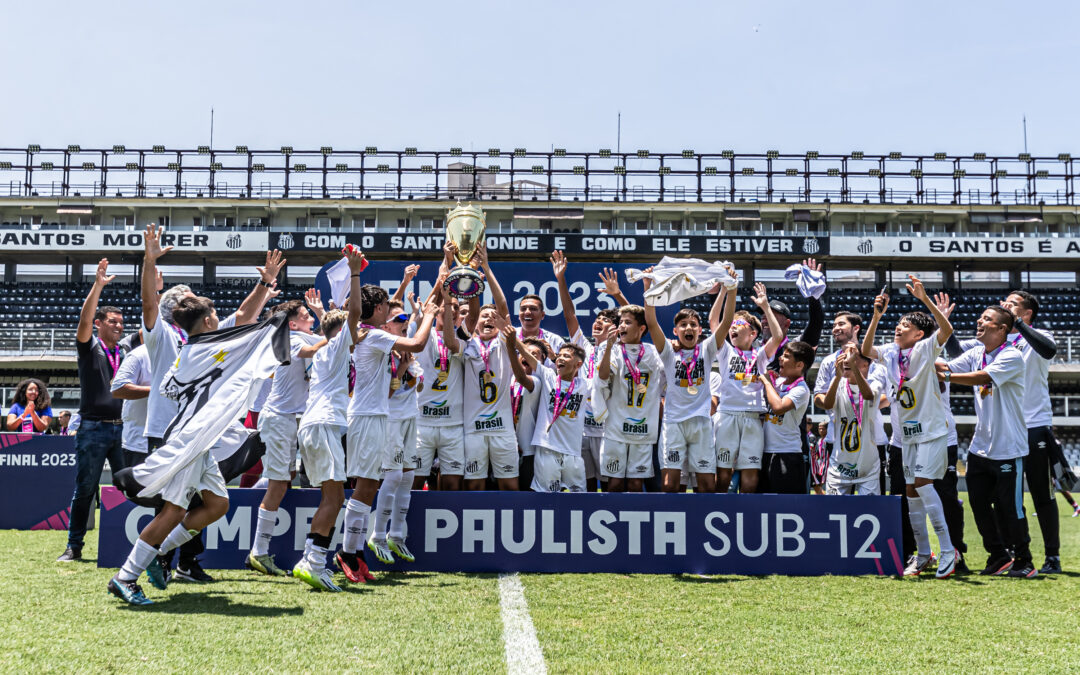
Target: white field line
[523, 653]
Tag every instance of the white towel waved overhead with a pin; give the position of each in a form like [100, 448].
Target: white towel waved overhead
[676, 279]
[809, 282]
[338, 276]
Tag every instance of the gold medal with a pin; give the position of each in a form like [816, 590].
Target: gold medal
[641, 388]
[395, 383]
[692, 390]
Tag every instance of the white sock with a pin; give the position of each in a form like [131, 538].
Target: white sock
[356, 517]
[918, 525]
[402, 498]
[936, 513]
[264, 531]
[316, 556]
[137, 561]
[384, 507]
[177, 538]
[307, 548]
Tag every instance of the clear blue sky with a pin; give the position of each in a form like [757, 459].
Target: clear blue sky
[833, 76]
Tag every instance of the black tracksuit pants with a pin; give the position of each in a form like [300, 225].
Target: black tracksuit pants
[1041, 444]
[996, 494]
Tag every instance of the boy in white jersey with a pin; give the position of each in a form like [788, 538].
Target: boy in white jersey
[909, 360]
[532, 354]
[399, 450]
[855, 400]
[368, 411]
[321, 427]
[629, 375]
[559, 424]
[595, 410]
[787, 396]
[278, 423]
[439, 430]
[686, 435]
[739, 437]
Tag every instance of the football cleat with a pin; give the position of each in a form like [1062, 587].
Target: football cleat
[128, 591]
[947, 564]
[158, 573]
[997, 566]
[917, 564]
[192, 571]
[398, 547]
[264, 564]
[354, 567]
[381, 551]
[319, 580]
[1022, 571]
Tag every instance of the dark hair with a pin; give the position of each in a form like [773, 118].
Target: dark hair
[687, 313]
[104, 310]
[1029, 302]
[332, 321]
[636, 311]
[851, 317]
[43, 399]
[371, 296]
[921, 321]
[611, 315]
[532, 296]
[579, 353]
[1004, 315]
[749, 318]
[537, 342]
[290, 307]
[801, 352]
[396, 303]
[190, 311]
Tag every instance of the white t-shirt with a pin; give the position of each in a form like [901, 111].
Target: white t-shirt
[854, 456]
[1001, 431]
[402, 405]
[440, 402]
[826, 373]
[487, 408]
[565, 434]
[593, 429]
[371, 363]
[554, 341]
[946, 401]
[288, 393]
[921, 411]
[135, 369]
[740, 387]
[679, 404]
[1037, 410]
[328, 389]
[528, 403]
[633, 417]
[783, 433]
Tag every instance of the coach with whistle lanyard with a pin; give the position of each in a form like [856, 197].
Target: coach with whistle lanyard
[101, 431]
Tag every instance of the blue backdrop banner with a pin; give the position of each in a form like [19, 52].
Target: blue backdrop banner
[532, 532]
[37, 477]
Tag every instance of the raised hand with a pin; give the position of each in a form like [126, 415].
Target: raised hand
[502, 322]
[916, 288]
[410, 273]
[152, 242]
[646, 282]
[102, 276]
[881, 302]
[760, 297]
[611, 334]
[449, 251]
[812, 265]
[558, 264]
[481, 254]
[273, 291]
[159, 282]
[841, 360]
[611, 282]
[273, 266]
[313, 299]
[413, 304]
[357, 261]
[941, 301]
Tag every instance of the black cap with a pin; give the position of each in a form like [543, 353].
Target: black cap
[780, 308]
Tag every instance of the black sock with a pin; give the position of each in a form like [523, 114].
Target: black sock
[320, 540]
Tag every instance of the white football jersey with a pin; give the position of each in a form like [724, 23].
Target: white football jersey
[633, 416]
[740, 373]
[679, 403]
[855, 456]
[916, 392]
[444, 372]
[783, 433]
[564, 435]
[487, 407]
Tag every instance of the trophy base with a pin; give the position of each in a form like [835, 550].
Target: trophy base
[464, 283]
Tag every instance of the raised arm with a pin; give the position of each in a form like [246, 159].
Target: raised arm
[512, 347]
[655, 331]
[419, 340]
[603, 371]
[864, 386]
[881, 303]
[356, 262]
[569, 310]
[723, 325]
[611, 286]
[944, 327]
[313, 300]
[778, 404]
[406, 281]
[253, 304]
[497, 296]
[152, 252]
[811, 335]
[449, 335]
[761, 299]
[90, 305]
[1043, 345]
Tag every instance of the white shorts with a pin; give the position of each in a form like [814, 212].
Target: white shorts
[928, 459]
[278, 432]
[590, 453]
[320, 448]
[626, 460]
[450, 443]
[688, 445]
[554, 471]
[202, 474]
[364, 446]
[835, 485]
[739, 440]
[499, 450]
[399, 451]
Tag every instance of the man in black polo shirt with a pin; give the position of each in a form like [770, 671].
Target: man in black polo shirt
[101, 430]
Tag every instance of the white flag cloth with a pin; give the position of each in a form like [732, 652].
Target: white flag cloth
[809, 282]
[676, 279]
[210, 381]
[338, 276]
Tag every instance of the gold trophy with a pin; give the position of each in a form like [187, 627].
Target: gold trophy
[465, 227]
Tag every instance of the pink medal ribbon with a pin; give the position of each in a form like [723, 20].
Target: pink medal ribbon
[516, 391]
[352, 377]
[985, 389]
[561, 400]
[485, 354]
[635, 370]
[179, 333]
[856, 404]
[785, 388]
[749, 374]
[690, 366]
[114, 357]
[901, 364]
[592, 364]
[444, 354]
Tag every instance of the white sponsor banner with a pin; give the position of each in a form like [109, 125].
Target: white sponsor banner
[71, 239]
[957, 247]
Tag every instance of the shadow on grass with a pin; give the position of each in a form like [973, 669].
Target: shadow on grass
[213, 603]
[710, 579]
